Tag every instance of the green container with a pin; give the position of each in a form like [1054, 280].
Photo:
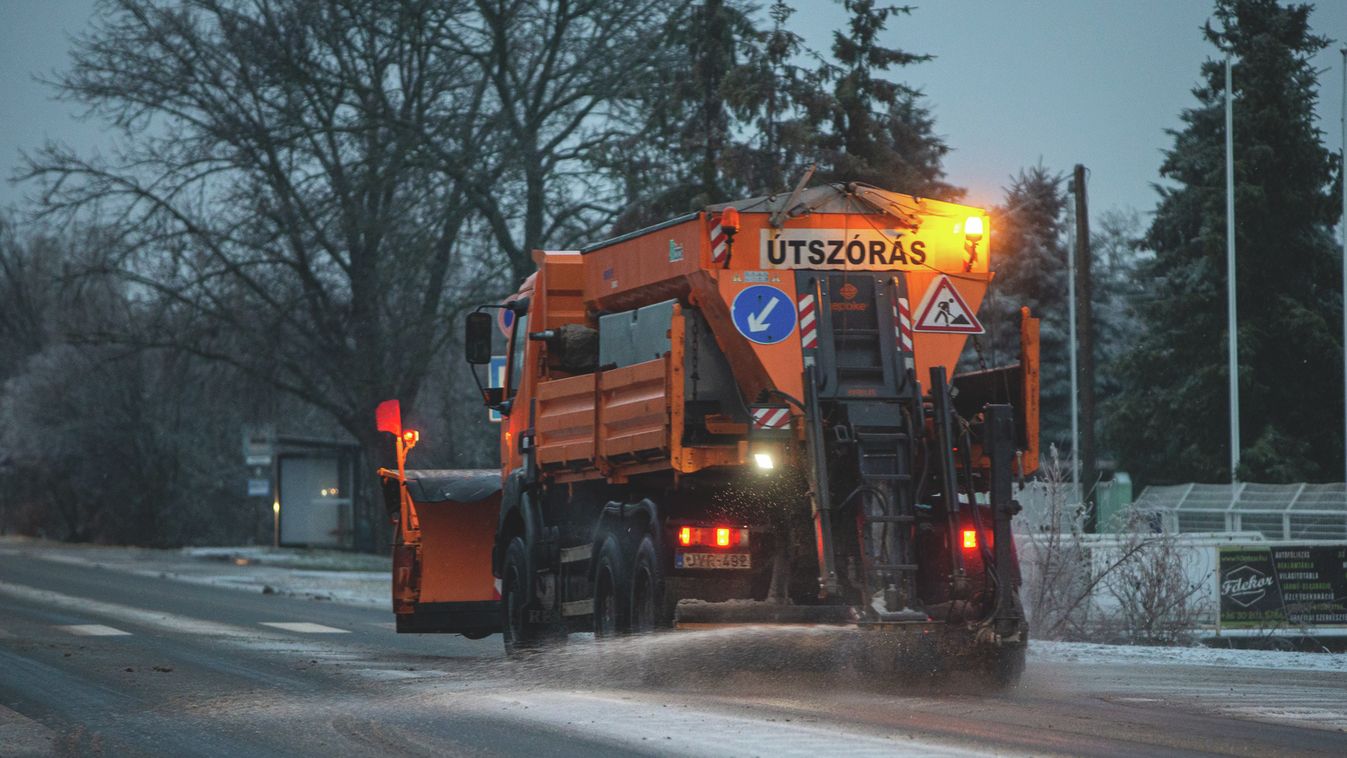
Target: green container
[1114, 498]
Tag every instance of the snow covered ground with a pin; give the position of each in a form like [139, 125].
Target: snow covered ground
[330, 575]
[1086, 652]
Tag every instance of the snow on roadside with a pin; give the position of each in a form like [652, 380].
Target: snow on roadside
[319, 560]
[1092, 653]
[346, 578]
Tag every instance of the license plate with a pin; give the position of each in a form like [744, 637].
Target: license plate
[713, 561]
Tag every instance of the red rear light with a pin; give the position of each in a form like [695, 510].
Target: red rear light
[970, 539]
[713, 536]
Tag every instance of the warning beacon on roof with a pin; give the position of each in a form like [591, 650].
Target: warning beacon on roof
[943, 309]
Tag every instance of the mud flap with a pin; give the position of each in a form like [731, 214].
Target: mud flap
[442, 579]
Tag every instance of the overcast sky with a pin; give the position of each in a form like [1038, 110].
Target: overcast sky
[1014, 82]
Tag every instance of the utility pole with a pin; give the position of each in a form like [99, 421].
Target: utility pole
[1232, 324]
[1085, 334]
[1073, 228]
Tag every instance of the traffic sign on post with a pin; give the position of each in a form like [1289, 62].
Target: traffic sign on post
[259, 445]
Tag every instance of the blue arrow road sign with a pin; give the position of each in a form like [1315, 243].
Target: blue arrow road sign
[764, 314]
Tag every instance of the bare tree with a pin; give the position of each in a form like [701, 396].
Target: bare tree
[106, 443]
[1157, 597]
[565, 79]
[1057, 565]
[28, 291]
[274, 194]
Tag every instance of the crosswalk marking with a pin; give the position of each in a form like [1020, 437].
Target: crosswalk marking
[93, 630]
[304, 627]
[83, 606]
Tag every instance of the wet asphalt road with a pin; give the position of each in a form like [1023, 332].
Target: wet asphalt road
[100, 662]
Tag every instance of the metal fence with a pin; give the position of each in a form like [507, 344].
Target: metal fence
[1278, 511]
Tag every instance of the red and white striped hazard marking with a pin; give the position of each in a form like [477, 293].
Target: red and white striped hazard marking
[808, 321]
[771, 417]
[902, 324]
[720, 243]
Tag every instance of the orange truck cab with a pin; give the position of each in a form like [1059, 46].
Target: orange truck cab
[748, 413]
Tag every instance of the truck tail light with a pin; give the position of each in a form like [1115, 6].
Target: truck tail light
[970, 539]
[712, 536]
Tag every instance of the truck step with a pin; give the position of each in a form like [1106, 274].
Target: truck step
[887, 477]
[894, 567]
[578, 607]
[870, 436]
[576, 554]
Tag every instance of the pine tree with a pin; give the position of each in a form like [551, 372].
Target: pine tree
[868, 128]
[1119, 290]
[679, 160]
[764, 94]
[1170, 423]
[1031, 268]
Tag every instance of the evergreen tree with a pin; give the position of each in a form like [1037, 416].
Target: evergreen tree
[764, 94]
[679, 160]
[1030, 263]
[734, 114]
[1119, 290]
[1170, 423]
[865, 127]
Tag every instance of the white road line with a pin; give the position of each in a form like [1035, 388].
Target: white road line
[154, 619]
[304, 627]
[92, 630]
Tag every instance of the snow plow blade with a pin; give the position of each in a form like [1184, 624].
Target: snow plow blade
[442, 580]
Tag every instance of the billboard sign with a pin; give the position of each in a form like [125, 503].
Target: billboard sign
[1276, 587]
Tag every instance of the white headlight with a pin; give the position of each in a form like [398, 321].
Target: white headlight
[764, 460]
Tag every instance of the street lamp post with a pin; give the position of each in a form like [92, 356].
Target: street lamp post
[1232, 328]
[1342, 152]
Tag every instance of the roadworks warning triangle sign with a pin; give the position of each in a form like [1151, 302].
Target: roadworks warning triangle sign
[943, 309]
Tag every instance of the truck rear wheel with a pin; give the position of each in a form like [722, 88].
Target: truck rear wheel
[612, 588]
[520, 635]
[647, 588]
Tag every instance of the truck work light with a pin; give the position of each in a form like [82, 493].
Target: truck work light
[972, 228]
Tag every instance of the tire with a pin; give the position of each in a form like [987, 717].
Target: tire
[612, 591]
[647, 589]
[516, 596]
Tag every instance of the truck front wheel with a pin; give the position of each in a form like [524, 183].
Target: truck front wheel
[515, 590]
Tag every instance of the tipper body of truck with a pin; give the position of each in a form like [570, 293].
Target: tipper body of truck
[747, 414]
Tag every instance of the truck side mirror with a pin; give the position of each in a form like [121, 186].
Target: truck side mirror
[477, 338]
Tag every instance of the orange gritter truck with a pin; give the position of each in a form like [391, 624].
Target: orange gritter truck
[744, 415]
